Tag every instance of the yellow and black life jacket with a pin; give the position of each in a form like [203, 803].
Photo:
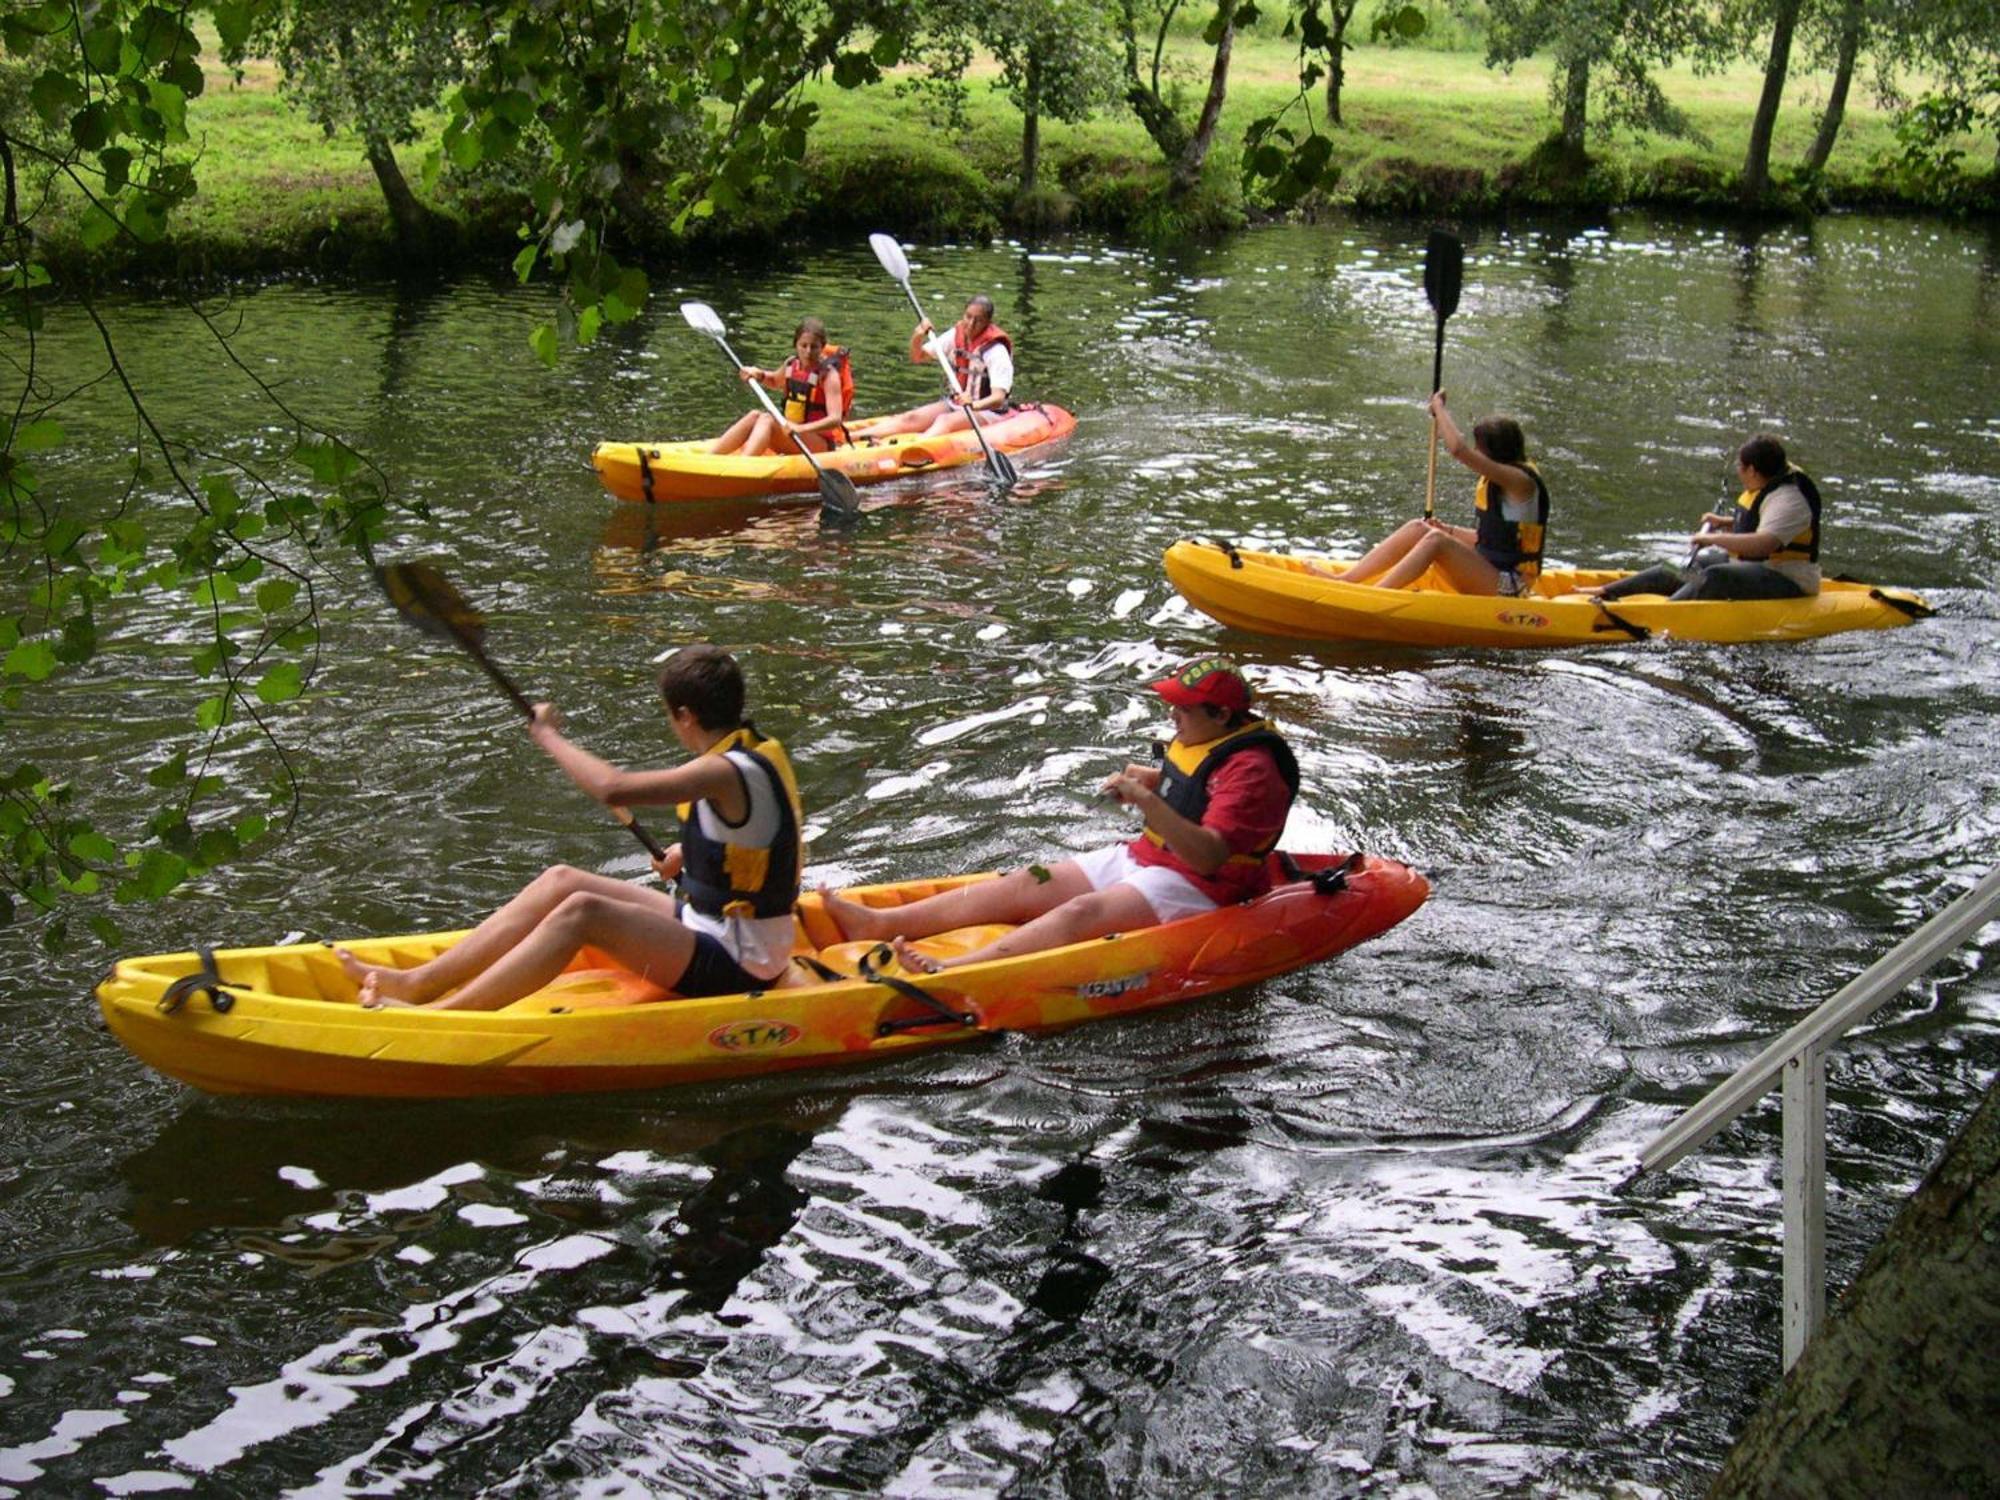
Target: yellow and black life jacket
[974, 383]
[1511, 546]
[1185, 770]
[806, 388]
[1801, 548]
[759, 876]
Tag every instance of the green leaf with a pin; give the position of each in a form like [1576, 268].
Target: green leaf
[212, 713]
[543, 342]
[103, 48]
[93, 845]
[34, 660]
[587, 323]
[282, 683]
[276, 595]
[216, 846]
[887, 51]
[171, 772]
[90, 127]
[251, 828]
[55, 96]
[106, 931]
[524, 263]
[158, 873]
[98, 228]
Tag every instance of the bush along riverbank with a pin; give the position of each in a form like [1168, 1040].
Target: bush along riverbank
[1424, 132]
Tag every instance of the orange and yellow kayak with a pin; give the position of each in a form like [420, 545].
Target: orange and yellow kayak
[284, 1020]
[1280, 595]
[686, 471]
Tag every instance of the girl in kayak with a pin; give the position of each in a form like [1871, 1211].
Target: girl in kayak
[818, 383]
[1214, 808]
[738, 861]
[1502, 552]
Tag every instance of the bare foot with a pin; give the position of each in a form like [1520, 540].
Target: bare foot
[912, 960]
[391, 983]
[854, 920]
[372, 998]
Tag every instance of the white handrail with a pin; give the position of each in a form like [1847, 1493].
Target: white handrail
[1869, 991]
[1798, 1061]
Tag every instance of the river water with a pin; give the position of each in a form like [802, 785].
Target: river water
[1353, 1231]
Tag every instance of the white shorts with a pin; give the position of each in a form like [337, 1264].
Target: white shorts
[1171, 894]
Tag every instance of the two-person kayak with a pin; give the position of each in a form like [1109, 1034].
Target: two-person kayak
[1282, 595]
[672, 472]
[285, 1020]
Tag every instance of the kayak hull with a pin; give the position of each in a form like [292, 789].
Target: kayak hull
[673, 472]
[292, 1027]
[1279, 595]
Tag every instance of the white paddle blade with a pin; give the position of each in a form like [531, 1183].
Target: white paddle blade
[891, 255]
[702, 319]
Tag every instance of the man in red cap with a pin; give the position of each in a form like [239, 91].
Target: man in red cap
[1214, 807]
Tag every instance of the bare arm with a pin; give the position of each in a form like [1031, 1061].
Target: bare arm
[1516, 482]
[706, 776]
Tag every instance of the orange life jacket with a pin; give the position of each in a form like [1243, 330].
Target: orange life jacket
[805, 389]
[977, 387]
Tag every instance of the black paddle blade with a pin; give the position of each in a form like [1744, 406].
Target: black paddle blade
[1444, 272]
[838, 498]
[1003, 469]
[426, 598]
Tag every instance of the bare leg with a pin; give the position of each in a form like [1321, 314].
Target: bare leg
[1019, 896]
[1462, 567]
[951, 419]
[645, 939]
[1385, 553]
[763, 435]
[908, 421]
[491, 939]
[739, 430]
[1116, 908]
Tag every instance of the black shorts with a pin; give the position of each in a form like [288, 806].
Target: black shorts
[711, 971]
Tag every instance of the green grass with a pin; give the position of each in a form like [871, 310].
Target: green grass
[1426, 129]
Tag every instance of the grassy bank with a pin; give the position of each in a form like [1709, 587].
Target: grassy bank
[1426, 131]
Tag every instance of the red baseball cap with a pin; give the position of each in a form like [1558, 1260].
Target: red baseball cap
[1211, 681]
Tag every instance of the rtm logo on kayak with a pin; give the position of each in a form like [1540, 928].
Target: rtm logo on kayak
[1523, 617]
[1108, 989]
[753, 1036]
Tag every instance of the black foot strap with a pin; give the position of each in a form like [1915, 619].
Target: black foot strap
[204, 981]
[941, 1013]
[1911, 607]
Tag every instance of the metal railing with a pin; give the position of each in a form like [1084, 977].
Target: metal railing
[1797, 1061]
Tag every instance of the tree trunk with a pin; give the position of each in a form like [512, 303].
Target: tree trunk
[1339, 13]
[1187, 170]
[1576, 100]
[1031, 149]
[413, 221]
[1895, 1394]
[1836, 99]
[1757, 163]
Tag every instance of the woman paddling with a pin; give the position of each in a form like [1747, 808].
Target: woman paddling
[818, 382]
[1502, 552]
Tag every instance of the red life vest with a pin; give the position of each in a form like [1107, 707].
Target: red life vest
[963, 354]
[806, 388]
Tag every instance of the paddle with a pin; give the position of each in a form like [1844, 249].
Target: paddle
[1444, 274]
[425, 597]
[837, 495]
[897, 265]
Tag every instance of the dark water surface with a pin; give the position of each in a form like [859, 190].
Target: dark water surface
[1349, 1232]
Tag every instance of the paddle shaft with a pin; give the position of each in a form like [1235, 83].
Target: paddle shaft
[507, 685]
[993, 460]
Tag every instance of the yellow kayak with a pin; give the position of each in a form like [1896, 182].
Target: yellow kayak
[1279, 595]
[284, 1020]
[687, 471]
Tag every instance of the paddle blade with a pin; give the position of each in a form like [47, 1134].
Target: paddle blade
[1444, 272]
[702, 319]
[425, 597]
[891, 255]
[1002, 468]
[838, 498]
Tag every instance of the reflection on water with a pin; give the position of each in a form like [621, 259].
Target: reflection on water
[1354, 1230]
